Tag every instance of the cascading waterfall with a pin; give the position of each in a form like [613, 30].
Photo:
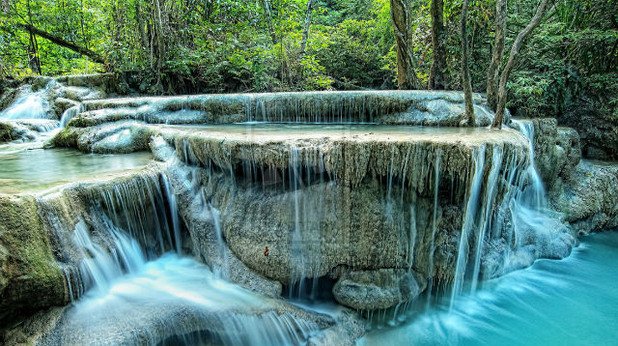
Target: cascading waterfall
[486, 221]
[70, 113]
[434, 225]
[128, 203]
[29, 105]
[101, 266]
[526, 127]
[306, 210]
[469, 223]
[535, 230]
[123, 281]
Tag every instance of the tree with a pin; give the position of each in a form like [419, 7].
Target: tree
[63, 43]
[542, 8]
[303, 42]
[493, 72]
[465, 67]
[401, 14]
[269, 19]
[437, 77]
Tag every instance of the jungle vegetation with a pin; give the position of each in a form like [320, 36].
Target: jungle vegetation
[555, 58]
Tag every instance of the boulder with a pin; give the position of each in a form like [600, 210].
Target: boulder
[589, 198]
[376, 289]
[30, 278]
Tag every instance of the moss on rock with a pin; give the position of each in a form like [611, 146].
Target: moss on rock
[30, 279]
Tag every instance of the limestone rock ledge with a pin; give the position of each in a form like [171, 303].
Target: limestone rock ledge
[427, 108]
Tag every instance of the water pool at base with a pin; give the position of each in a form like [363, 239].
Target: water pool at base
[26, 168]
[568, 302]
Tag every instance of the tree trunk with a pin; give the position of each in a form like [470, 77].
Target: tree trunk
[159, 52]
[519, 41]
[303, 42]
[63, 43]
[139, 21]
[33, 55]
[469, 118]
[401, 14]
[269, 20]
[493, 72]
[437, 79]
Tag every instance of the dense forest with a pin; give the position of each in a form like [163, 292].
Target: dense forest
[552, 58]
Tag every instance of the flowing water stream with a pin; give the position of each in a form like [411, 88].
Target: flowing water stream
[573, 301]
[137, 282]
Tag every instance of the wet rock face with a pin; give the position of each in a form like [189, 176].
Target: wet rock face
[557, 151]
[589, 199]
[116, 138]
[30, 278]
[295, 207]
[378, 289]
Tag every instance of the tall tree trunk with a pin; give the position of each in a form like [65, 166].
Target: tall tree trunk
[437, 79]
[158, 38]
[303, 42]
[465, 67]
[269, 20]
[519, 41]
[401, 13]
[33, 55]
[493, 72]
[143, 37]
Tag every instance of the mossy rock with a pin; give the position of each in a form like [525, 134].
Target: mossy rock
[30, 278]
[67, 138]
[6, 132]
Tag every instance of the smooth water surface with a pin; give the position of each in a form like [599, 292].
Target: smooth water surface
[568, 302]
[28, 168]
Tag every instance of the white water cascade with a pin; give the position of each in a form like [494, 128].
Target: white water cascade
[165, 300]
[29, 105]
[535, 231]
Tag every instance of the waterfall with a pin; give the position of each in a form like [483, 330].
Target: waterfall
[145, 206]
[100, 265]
[474, 191]
[29, 105]
[70, 113]
[537, 190]
[163, 298]
[434, 225]
[486, 217]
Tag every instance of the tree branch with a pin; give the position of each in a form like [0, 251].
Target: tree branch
[63, 43]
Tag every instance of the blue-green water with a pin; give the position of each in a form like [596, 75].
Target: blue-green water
[568, 302]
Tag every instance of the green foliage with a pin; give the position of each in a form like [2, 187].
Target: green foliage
[185, 46]
[570, 63]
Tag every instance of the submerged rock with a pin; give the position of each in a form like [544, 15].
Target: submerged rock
[377, 289]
